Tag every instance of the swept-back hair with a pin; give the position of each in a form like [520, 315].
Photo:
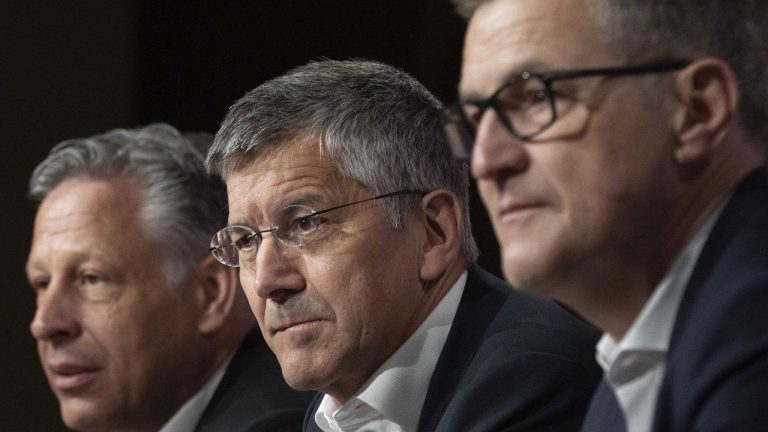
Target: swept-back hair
[183, 205]
[379, 125]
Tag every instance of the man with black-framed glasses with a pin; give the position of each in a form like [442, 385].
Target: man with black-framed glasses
[619, 149]
[348, 219]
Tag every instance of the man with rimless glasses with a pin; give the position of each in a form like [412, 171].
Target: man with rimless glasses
[619, 146]
[348, 219]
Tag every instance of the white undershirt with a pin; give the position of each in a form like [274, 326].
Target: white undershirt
[391, 400]
[634, 367]
[189, 414]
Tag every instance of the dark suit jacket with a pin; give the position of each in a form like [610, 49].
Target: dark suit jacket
[252, 396]
[510, 363]
[717, 365]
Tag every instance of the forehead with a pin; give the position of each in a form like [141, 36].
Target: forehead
[505, 37]
[297, 170]
[87, 217]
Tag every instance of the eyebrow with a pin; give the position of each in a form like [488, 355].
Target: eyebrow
[533, 66]
[310, 199]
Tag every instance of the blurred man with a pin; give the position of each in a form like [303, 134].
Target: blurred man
[138, 329]
[618, 147]
[349, 221]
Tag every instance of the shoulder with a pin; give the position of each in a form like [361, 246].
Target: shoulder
[525, 324]
[727, 296]
[532, 369]
[719, 347]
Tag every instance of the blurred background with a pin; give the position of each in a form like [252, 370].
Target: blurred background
[77, 68]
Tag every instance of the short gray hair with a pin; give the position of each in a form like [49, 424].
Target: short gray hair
[380, 125]
[732, 30]
[183, 205]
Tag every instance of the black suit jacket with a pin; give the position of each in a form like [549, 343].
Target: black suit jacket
[253, 396]
[716, 377]
[510, 363]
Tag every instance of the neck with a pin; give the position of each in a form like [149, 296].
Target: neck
[433, 291]
[612, 291]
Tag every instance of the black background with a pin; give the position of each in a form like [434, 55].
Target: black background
[77, 68]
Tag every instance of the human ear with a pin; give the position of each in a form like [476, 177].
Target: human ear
[218, 285]
[443, 220]
[708, 97]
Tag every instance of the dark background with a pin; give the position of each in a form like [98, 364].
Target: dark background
[77, 68]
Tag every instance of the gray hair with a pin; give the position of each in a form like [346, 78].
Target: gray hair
[380, 125]
[732, 30]
[183, 205]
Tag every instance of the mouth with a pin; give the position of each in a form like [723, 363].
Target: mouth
[71, 376]
[297, 326]
[518, 210]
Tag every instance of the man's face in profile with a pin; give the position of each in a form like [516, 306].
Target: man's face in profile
[578, 197]
[113, 338]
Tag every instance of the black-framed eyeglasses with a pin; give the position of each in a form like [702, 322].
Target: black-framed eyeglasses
[526, 104]
[294, 226]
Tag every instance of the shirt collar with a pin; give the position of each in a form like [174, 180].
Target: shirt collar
[647, 340]
[410, 367]
[189, 414]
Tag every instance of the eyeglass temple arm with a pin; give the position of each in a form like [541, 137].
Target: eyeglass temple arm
[386, 195]
[624, 70]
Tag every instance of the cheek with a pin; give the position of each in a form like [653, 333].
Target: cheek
[256, 302]
[145, 339]
[348, 289]
[127, 344]
[488, 193]
[580, 178]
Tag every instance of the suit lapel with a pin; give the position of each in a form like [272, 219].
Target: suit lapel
[604, 414]
[477, 309]
[309, 417]
[747, 200]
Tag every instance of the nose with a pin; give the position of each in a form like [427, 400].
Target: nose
[496, 151]
[273, 273]
[56, 317]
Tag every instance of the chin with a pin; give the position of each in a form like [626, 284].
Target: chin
[525, 272]
[85, 422]
[301, 380]
[87, 412]
[298, 373]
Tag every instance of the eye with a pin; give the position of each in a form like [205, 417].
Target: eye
[297, 224]
[522, 94]
[91, 279]
[527, 99]
[305, 225]
[96, 287]
[248, 241]
[39, 284]
[87, 280]
[538, 96]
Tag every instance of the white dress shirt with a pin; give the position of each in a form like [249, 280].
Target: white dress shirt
[391, 400]
[189, 414]
[634, 367]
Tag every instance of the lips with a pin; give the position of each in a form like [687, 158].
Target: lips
[295, 325]
[517, 209]
[70, 376]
